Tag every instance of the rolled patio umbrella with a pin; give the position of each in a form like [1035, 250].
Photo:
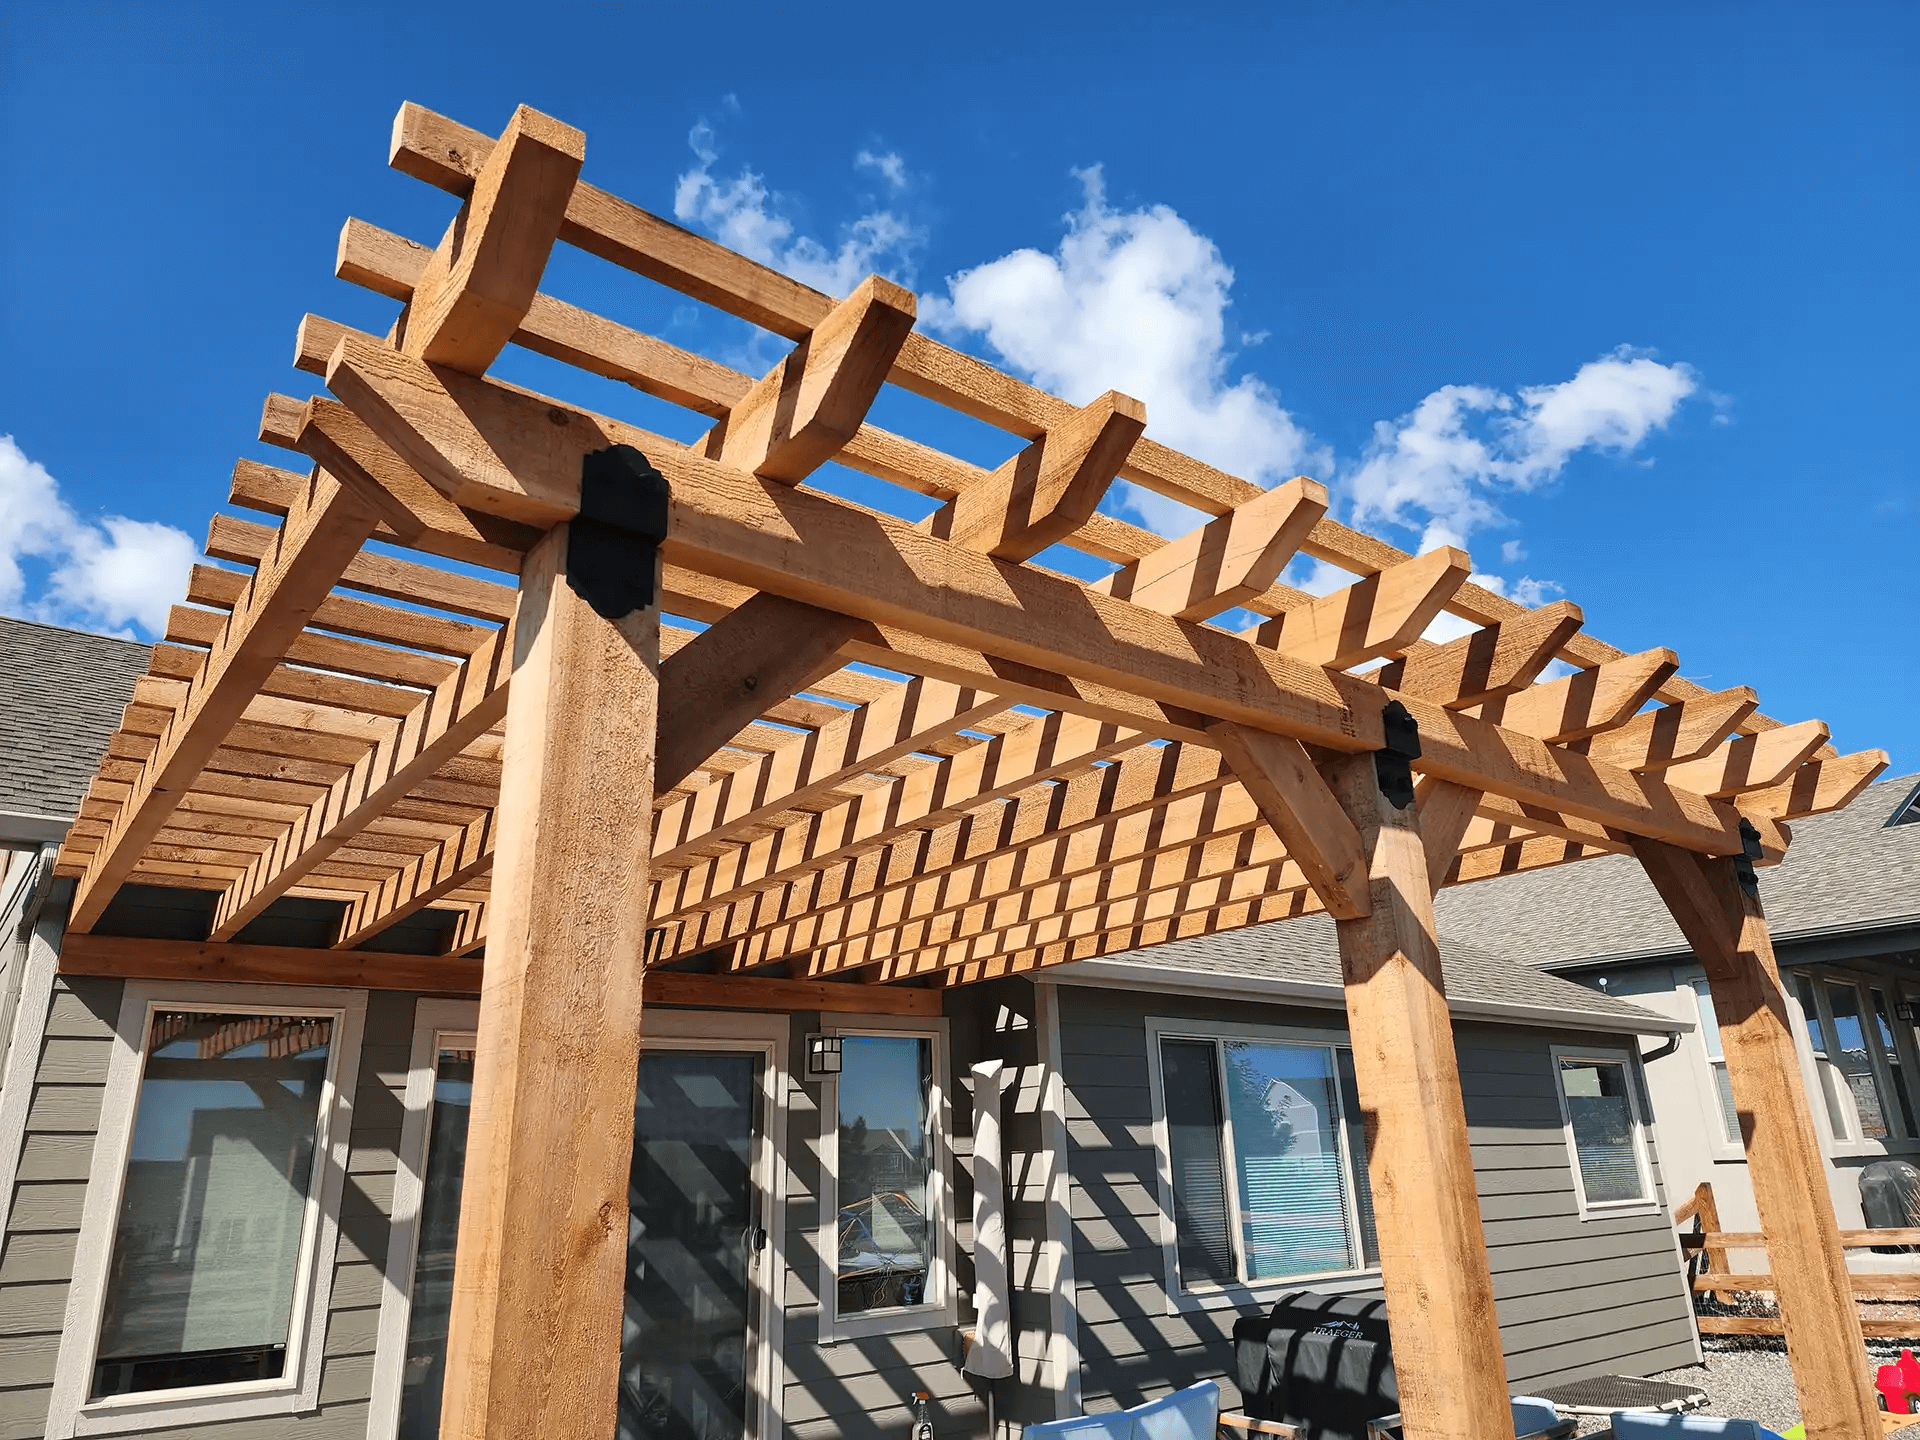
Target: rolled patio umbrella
[991, 1355]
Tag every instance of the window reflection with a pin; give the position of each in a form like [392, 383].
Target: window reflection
[424, 1376]
[886, 1173]
[213, 1215]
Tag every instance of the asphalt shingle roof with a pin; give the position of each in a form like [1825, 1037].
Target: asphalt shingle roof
[1304, 953]
[1844, 870]
[61, 694]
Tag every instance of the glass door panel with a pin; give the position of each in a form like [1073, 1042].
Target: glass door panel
[425, 1372]
[693, 1236]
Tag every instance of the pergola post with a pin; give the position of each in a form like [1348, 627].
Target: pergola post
[534, 1343]
[1433, 1256]
[1727, 930]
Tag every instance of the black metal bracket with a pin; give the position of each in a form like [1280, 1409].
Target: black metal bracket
[1392, 762]
[613, 543]
[1743, 862]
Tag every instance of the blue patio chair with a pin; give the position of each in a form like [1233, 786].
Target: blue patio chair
[1189, 1414]
[1664, 1425]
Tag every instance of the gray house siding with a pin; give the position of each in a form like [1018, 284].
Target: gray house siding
[44, 1219]
[1573, 1296]
[863, 1387]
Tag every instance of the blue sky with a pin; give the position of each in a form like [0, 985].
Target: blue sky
[1622, 296]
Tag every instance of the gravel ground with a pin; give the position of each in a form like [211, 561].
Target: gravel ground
[1748, 1383]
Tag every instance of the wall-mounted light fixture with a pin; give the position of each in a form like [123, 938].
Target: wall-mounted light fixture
[1907, 1010]
[823, 1056]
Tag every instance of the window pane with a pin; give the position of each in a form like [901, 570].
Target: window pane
[1850, 1054]
[1201, 1228]
[1883, 1025]
[1357, 1156]
[1286, 1145]
[207, 1249]
[1709, 1022]
[1822, 1065]
[1601, 1114]
[886, 1171]
[426, 1365]
[1729, 1116]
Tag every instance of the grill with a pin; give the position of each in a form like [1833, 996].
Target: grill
[1321, 1363]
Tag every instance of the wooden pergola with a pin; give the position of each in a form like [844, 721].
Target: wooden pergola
[888, 756]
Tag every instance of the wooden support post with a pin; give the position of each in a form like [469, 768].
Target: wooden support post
[534, 1343]
[1728, 932]
[1433, 1256]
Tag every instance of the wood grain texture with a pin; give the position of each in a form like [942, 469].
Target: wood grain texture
[1379, 615]
[1280, 777]
[476, 287]
[1230, 560]
[314, 547]
[534, 1339]
[1728, 933]
[1433, 1258]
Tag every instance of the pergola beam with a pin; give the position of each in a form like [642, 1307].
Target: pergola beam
[501, 447]
[315, 545]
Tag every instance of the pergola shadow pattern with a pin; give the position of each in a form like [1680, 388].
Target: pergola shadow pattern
[711, 709]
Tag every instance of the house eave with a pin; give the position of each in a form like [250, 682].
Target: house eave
[1127, 975]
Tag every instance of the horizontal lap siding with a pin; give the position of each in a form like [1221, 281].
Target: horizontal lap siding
[1574, 1297]
[862, 1389]
[44, 1223]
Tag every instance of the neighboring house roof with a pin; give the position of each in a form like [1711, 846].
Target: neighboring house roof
[1845, 871]
[1299, 961]
[61, 694]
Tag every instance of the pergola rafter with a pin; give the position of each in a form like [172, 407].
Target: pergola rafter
[882, 748]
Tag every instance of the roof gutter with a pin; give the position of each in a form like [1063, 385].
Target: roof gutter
[1781, 940]
[1126, 975]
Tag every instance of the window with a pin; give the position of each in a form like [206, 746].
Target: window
[1603, 1129]
[209, 1227]
[1850, 1055]
[1264, 1160]
[1716, 1061]
[1890, 1052]
[424, 1369]
[1831, 1086]
[889, 1182]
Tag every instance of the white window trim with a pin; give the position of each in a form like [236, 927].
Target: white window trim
[1240, 1294]
[1858, 1143]
[1718, 1144]
[1601, 1209]
[70, 1412]
[437, 1020]
[944, 1306]
[434, 1023]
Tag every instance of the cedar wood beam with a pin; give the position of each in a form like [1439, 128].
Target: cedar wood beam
[132, 958]
[314, 548]
[445, 154]
[502, 449]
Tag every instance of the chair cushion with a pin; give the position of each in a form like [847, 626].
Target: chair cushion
[1189, 1414]
[1664, 1425]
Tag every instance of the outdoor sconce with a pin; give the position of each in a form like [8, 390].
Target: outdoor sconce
[823, 1056]
[1908, 1011]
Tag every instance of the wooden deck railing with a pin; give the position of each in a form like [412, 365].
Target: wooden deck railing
[1710, 1244]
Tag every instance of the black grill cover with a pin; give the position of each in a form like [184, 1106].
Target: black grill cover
[1890, 1198]
[1321, 1362]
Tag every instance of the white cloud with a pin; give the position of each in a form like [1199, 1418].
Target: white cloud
[891, 167]
[1443, 465]
[1135, 301]
[743, 214]
[109, 575]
